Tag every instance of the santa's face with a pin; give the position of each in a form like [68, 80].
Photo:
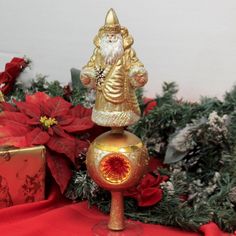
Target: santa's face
[111, 37]
[111, 47]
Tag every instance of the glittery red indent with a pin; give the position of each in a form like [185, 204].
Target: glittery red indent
[115, 167]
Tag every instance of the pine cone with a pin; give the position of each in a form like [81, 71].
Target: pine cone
[232, 195]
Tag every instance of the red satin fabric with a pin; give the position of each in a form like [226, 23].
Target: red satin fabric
[57, 216]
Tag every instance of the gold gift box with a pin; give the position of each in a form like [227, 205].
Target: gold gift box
[22, 175]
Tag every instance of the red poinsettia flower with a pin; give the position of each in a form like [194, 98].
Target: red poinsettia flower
[12, 71]
[148, 192]
[42, 120]
[155, 163]
[149, 105]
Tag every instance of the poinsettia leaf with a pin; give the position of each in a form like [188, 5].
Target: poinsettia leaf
[37, 98]
[12, 123]
[50, 131]
[33, 121]
[60, 169]
[14, 141]
[80, 111]
[58, 106]
[13, 69]
[5, 106]
[45, 110]
[37, 137]
[79, 124]
[15, 66]
[19, 61]
[14, 116]
[9, 80]
[155, 163]
[60, 132]
[149, 105]
[63, 145]
[31, 110]
[65, 120]
[149, 197]
[12, 130]
[148, 180]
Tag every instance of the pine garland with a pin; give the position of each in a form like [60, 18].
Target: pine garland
[38, 84]
[197, 140]
[206, 174]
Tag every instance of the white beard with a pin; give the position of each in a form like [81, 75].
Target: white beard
[112, 51]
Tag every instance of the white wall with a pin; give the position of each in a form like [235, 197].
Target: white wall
[192, 42]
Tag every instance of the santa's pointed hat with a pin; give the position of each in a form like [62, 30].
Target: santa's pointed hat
[112, 24]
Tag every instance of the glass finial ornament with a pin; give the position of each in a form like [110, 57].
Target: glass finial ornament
[117, 159]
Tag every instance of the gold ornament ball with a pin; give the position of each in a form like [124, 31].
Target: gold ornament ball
[116, 160]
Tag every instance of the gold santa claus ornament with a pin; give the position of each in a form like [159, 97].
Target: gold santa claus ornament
[116, 160]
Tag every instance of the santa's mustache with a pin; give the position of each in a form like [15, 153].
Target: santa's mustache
[112, 50]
